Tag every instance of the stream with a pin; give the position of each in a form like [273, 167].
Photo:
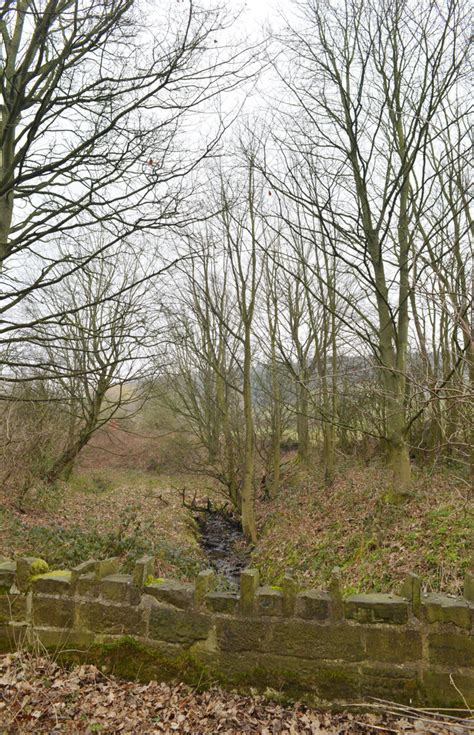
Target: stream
[222, 540]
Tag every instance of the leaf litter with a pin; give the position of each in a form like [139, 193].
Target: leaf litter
[38, 695]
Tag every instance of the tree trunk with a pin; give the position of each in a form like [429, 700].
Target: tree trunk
[302, 428]
[248, 512]
[276, 426]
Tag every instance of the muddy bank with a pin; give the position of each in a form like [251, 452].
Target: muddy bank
[223, 542]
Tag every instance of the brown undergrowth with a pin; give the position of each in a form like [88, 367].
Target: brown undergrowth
[39, 696]
[309, 529]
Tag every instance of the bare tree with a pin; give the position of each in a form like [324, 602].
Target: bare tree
[101, 348]
[96, 113]
[371, 81]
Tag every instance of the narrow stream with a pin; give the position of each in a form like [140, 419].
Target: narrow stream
[222, 540]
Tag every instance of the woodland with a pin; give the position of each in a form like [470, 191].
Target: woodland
[236, 279]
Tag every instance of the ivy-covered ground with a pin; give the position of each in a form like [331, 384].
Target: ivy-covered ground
[103, 513]
[125, 499]
[309, 529]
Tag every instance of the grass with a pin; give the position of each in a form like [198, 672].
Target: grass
[309, 529]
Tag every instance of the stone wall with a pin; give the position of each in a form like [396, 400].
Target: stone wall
[311, 645]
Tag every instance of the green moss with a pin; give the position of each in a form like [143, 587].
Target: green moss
[154, 580]
[39, 566]
[55, 573]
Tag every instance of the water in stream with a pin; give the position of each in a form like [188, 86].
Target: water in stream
[222, 540]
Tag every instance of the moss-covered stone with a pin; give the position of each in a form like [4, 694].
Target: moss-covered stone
[205, 582]
[319, 642]
[38, 566]
[143, 569]
[57, 582]
[13, 607]
[26, 568]
[106, 567]
[53, 612]
[222, 602]
[442, 609]
[249, 579]
[451, 649]
[312, 605]
[7, 576]
[269, 601]
[119, 588]
[102, 617]
[55, 639]
[376, 608]
[179, 594]
[395, 683]
[469, 587]
[178, 626]
[87, 585]
[335, 593]
[86, 567]
[392, 645]
[290, 591]
[411, 591]
[447, 689]
[237, 634]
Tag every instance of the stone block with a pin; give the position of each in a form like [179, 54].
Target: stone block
[398, 683]
[7, 576]
[171, 592]
[339, 642]
[86, 567]
[313, 605]
[58, 638]
[443, 609]
[238, 634]
[446, 689]
[411, 591]
[249, 579]
[27, 567]
[106, 567]
[336, 681]
[13, 607]
[87, 585]
[102, 617]
[222, 602]
[53, 583]
[205, 582]
[143, 569]
[290, 591]
[451, 649]
[53, 611]
[392, 645]
[335, 593]
[178, 626]
[119, 588]
[376, 608]
[269, 601]
[469, 587]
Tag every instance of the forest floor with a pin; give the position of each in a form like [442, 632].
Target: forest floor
[123, 500]
[39, 696]
[309, 529]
